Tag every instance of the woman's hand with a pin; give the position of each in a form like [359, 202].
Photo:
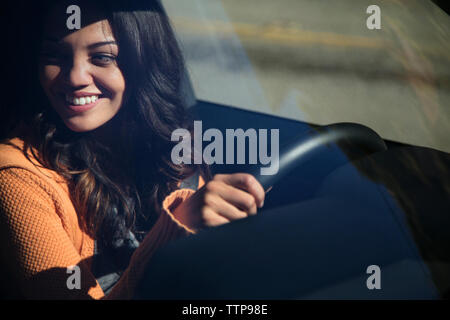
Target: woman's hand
[225, 198]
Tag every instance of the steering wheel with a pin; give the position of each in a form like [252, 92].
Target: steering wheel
[355, 140]
[250, 248]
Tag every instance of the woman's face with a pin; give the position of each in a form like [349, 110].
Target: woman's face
[79, 73]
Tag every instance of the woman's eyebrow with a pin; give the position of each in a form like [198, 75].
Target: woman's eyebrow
[101, 43]
[90, 46]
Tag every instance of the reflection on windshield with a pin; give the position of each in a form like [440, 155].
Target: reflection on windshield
[419, 181]
[316, 61]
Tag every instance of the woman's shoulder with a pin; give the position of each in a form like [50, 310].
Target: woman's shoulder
[13, 153]
[17, 157]
[26, 186]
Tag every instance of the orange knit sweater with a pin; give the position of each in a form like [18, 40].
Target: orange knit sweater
[43, 235]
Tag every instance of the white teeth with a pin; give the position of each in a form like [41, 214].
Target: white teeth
[82, 100]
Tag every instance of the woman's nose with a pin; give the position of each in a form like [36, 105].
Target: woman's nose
[79, 74]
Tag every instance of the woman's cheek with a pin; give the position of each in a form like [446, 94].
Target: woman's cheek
[47, 76]
[49, 73]
[114, 82]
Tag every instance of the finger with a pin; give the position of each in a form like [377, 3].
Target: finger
[224, 208]
[238, 198]
[212, 219]
[246, 182]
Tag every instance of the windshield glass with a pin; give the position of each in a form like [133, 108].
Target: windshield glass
[319, 62]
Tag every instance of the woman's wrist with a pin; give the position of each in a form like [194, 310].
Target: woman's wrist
[176, 205]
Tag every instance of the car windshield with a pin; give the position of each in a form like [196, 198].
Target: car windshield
[324, 62]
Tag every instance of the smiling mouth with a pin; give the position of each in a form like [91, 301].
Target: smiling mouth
[81, 101]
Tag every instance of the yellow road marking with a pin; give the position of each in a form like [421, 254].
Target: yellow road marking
[278, 34]
[291, 36]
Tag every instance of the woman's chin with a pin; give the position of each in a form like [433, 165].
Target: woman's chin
[81, 126]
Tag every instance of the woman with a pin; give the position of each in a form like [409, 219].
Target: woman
[86, 178]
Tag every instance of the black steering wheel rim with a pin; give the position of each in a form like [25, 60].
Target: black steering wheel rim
[354, 139]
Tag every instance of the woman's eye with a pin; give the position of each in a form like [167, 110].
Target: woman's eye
[103, 59]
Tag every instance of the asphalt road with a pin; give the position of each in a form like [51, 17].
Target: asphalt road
[317, 61]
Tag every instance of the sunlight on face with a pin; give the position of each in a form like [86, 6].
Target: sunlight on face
[79, 73]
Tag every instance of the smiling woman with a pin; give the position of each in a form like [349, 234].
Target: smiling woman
[83, 60]
[86, 177]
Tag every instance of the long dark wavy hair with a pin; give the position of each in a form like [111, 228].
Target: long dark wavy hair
[113, 194]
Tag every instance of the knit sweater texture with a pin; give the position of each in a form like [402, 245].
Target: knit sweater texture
[42, 234]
